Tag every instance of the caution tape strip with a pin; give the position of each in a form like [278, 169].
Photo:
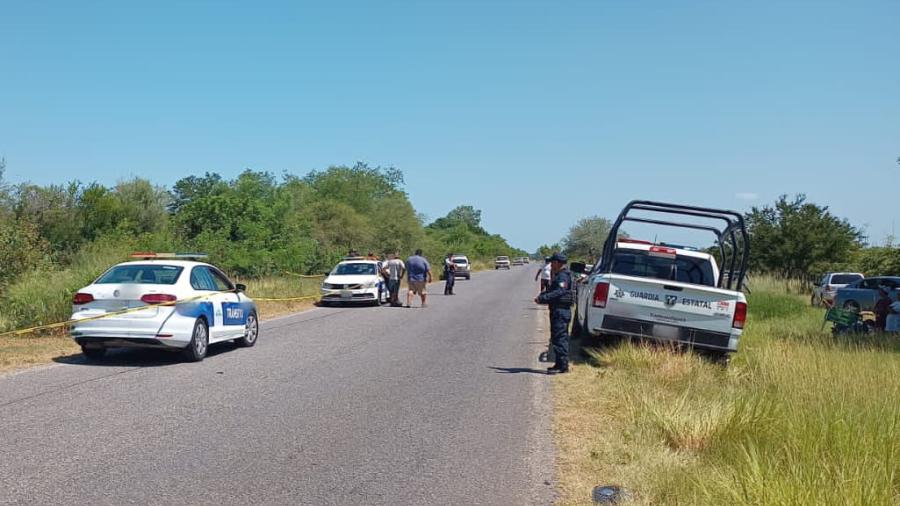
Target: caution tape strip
[306, 276]
[66, 323]
[268, 299]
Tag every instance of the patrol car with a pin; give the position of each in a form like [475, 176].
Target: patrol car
[355, 280]
[165, 301]
[665, 292]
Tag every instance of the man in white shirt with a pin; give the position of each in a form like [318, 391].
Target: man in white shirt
[545, 274]
[393, 272]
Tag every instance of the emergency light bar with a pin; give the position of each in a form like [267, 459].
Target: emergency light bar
[148, 255]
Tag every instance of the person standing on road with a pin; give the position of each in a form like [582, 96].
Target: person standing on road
[559, 297]
[393, 272]
[544, 274]
[449, 274]
[418, 275]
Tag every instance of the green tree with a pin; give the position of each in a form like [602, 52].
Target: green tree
[796, 238]
[22, 249]
[585, 239]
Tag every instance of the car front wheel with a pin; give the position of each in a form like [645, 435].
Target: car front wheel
[195, 351]
[251, 332]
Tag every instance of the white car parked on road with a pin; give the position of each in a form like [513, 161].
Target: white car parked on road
[355, 280]
[162, 301]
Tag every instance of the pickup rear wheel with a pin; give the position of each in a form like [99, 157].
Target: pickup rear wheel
[577, 329]
[95, 353]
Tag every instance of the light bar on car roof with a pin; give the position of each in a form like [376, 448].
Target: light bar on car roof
[149, 255]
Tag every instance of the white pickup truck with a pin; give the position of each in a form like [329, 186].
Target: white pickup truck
[664, 292]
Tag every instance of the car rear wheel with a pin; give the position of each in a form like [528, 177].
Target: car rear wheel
[196, 350]
[851, 305]
[93, 353]
[251, 333]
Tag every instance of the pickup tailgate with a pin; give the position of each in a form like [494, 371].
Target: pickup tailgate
[670, 310]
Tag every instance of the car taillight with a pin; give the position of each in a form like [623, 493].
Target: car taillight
[740, 315]
[82, 298]
[158, 298]
[601, 294]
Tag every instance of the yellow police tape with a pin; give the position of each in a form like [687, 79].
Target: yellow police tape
[66, 323]
[306, 276]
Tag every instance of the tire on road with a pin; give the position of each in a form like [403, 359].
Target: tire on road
[196, 350]
[252, 332]
[93, 353]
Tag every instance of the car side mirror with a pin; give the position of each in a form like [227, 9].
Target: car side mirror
[240, 287]
[577, 267]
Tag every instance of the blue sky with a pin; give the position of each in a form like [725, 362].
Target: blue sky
[538, 113]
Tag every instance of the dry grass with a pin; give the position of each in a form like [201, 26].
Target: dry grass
[21, 352]
[799, 417]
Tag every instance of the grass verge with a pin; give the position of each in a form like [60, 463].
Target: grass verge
[799, 417]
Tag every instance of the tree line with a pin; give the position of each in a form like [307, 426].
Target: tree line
[256, 224]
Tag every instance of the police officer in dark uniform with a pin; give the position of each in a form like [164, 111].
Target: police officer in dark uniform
[559, 296]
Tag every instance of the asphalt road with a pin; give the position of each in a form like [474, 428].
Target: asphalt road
[333, 406]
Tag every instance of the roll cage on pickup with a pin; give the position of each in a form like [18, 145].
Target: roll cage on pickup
[732, 239]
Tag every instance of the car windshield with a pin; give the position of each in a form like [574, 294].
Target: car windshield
[460, 261]
[686, 269]
[502, 258]
[142, 274]
[844, 279]
[354, 269]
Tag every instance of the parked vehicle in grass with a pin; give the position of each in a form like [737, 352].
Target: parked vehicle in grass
[861, 295]
[162, 301]
[646, 290]
[355, 280]
[501, 262]
[826, 288]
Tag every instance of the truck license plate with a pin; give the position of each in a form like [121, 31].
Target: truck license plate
[666, 332]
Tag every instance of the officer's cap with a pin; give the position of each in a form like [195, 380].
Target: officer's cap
[559, 257]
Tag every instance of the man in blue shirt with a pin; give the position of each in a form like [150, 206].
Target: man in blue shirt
[418, 275]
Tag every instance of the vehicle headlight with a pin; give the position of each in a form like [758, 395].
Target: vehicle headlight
[327, 286]
[370, 285]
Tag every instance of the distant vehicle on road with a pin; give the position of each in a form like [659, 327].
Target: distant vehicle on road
[163, 301]
[355, 280]
[861, 295]
[647, 290]
[518, 261]
[826, 288]
[463, 267]
[502, 262]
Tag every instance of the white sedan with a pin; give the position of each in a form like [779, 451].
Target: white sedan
[355, 280]
[164, 302]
